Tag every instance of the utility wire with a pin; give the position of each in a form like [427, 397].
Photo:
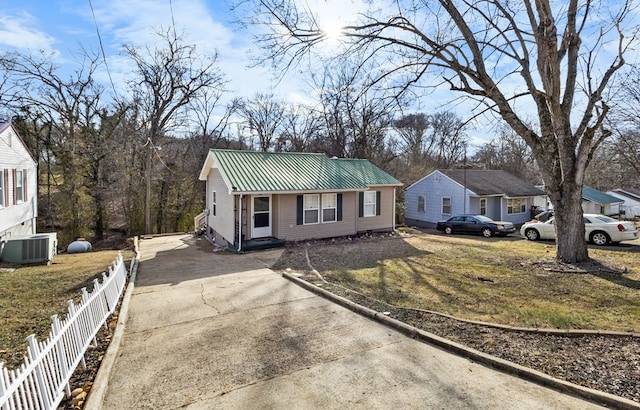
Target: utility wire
[104, 56]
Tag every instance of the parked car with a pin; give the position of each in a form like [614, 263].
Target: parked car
[475, 224]
[599, 230]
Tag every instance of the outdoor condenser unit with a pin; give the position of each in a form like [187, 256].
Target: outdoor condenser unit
[29, 248]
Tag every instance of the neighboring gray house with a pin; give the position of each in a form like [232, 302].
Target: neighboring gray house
[593, 202]
[631, 207]
[18, 179]
[257, 199]
[444, 193]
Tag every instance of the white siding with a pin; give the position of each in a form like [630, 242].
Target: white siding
[434, 187]
[223, 222]
[17, 218]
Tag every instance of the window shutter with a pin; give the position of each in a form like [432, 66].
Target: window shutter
[339, 207]
[24, 185]
[360, 204]
[378, 202]
[299, 210]
[6, 187]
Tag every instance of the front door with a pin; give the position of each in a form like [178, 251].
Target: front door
[261, 221]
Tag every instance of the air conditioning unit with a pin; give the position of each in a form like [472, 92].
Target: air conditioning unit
[29, 248]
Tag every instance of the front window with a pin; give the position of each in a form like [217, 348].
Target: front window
[483, 206]
[421, 203]
[446, 206]
[19, 187]
[370, 203]
[329, 207]
[311, 209]
[516, 205]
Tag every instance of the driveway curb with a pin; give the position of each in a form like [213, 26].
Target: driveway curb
[101, 381]
[523, 372]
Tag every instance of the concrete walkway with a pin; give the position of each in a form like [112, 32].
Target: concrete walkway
[210, 330]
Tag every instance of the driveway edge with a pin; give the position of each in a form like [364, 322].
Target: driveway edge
[520, 371]
[96, 395]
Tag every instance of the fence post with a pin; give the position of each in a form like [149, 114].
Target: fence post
[76, 332]
[59, 346]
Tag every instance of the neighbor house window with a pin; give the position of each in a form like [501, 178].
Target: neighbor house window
[483, 206]
[214, 204]
[2, 188]
[311, 209]
[446, 206]
[329, 207]
[369, 203]
[516, 205]
[421, 205]
[19, 187]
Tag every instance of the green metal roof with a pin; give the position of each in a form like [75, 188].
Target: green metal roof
[599, 197]
[250, 171]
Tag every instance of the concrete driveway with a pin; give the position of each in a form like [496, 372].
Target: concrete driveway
[213, 330]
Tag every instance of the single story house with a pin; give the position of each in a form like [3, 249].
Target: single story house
[631, 207]
[593, 202]
[257, 197]
[493, 193]
[18, 185]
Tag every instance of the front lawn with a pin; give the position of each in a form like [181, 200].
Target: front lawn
[31, 294]
[506, 281]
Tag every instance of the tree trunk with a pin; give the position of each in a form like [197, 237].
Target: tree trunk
[567, 212]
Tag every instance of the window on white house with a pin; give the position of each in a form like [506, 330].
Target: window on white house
[421, 203]
[329, 207]
[214, 203]
[369, 208]
[2, 188]
[446, 206]
[19, 187]
[516, 205]
[483, 206]
[311, 209]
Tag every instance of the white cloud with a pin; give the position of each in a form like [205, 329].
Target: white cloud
[20, 31]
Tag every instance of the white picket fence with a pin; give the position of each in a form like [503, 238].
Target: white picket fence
[41, 381]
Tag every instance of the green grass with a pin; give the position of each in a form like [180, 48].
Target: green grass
[31, 294]
[495, 280]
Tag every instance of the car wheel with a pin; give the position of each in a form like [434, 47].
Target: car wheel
[487, 232]
[532, 234]
[599, 238]
[448, 230]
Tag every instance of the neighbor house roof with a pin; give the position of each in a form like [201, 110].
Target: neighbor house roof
[630, 193]
[250, 171]
[492, 182]
[599, 197]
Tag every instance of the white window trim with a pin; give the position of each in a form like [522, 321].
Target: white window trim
[522, 206]
[2, 188]
[368, 204]
[334, 207]
[442, 205]
[19, 186]
[305, 209]
[214, 203]
[483, 200]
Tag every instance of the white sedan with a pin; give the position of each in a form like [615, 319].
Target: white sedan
[599, 230]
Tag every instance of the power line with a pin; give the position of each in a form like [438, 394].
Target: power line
[173, 20]
[104, 56]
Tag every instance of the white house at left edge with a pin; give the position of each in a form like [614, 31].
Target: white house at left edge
[18, 185]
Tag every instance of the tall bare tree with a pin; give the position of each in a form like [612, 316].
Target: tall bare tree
[556, 57]
[263, 115]
[168, 78]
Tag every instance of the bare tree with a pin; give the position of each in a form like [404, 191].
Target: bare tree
[168, 78]
[263, 115]
[301, 126]
[505, 55]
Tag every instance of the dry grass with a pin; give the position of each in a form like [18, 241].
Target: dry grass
[514, 282]
[31, 294]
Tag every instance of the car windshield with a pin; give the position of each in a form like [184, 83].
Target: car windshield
[482, 218]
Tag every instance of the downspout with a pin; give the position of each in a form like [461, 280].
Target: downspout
[240, 224]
